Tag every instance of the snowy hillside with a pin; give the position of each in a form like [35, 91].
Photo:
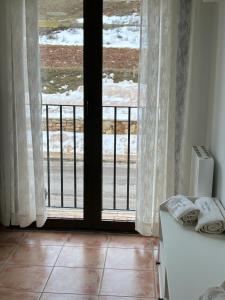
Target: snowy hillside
[118, 32]
[123, 93]
[124, 34]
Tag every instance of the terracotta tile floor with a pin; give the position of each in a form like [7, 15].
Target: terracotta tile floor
[78, 265]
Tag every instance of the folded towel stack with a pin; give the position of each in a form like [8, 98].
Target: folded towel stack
[182, 209]
[210, 219]
[208, 213]
[214, 293]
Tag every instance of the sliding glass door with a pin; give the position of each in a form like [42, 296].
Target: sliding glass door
[61, 52]
[89, 58]
[121, 38]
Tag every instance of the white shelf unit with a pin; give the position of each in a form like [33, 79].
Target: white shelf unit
[190, 262]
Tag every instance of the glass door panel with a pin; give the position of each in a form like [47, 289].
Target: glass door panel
[121, 38]
[90, 110]
[61, 52]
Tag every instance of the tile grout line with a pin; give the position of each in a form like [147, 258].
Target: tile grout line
[52, 270]
[79, 267]
[13, 251]
[107, 247]
[50, 273]
[16, 246]
[151, 249]
[129, 297]
[103, 271]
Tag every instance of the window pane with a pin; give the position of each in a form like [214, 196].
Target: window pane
[121, 36]
[61, 51]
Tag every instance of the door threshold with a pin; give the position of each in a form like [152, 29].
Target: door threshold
[77, 213]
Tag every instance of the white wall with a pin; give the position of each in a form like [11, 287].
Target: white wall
[216, 117]
[200, 70]
[206, 87]
[201, 66]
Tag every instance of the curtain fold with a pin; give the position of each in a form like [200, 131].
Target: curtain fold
[22, 198]
[163, 59]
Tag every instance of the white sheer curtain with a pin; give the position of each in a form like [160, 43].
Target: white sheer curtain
[161, 91]
[21, 166]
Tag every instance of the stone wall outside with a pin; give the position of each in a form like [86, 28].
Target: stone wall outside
[108, 126]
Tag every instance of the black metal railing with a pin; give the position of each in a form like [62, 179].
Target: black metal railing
[120, 124]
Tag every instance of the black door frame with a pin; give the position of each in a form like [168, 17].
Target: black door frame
[93, 63]
[93, 11]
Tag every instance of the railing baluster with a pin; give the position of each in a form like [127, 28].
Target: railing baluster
[74, 112]
[61, 155]
[74, 157]
[48, 157]
[114, 160]
[128, 160]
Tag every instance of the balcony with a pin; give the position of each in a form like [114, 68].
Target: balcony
[63, 160]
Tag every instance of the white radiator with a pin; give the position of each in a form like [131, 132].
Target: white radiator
[201, 176]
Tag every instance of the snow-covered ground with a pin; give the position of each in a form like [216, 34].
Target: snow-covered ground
[108, 113]
[123, 93]
[114, 94]
[108, 143]
[133, 19]
[124, 33]
[120, 37]
[118, 94]
[126, 36]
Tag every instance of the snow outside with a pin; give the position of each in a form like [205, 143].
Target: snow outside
[61, 41]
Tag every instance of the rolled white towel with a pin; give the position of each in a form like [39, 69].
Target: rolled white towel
[182, 209]
[220, 206]
[216, 293]
[210, 219]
